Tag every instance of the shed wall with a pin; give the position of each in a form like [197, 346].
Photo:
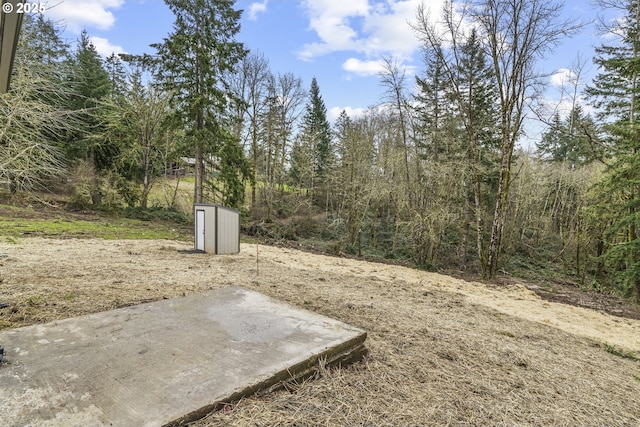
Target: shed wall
[221, 228]
[210, 229]
[228, 223]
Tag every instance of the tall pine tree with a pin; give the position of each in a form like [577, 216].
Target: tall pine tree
[315, 139]
[191, 63]
[431, 108]
[572, 140]
[615, 92]
[117, 76]
[458, 103]
[90, 85]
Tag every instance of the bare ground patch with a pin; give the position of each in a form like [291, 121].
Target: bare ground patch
[442, 351]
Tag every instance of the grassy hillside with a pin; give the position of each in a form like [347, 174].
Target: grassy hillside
[23, 216]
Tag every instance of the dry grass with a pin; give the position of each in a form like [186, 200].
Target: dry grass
[442, 351]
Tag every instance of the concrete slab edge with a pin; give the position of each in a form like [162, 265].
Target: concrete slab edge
[346, 353]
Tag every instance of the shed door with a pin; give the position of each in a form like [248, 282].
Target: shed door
[200, 230]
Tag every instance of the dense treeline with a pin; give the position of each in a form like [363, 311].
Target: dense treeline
[433, 174]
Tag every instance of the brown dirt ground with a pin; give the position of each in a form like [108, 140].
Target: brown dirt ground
[443, 351]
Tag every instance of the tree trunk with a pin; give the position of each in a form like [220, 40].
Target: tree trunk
[199, 169]
[634, 235]
[13, 184]
[499, 213]
[466, 227]
[254, 155]
[146, 181]
[477, 201]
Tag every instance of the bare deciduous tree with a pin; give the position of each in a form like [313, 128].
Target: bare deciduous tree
[249, 84]
[30, 122]
[514, 34]
[517, 33]
[392, 78]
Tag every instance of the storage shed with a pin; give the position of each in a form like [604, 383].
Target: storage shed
[217, 229]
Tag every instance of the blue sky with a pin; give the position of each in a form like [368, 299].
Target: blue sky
[340, 42]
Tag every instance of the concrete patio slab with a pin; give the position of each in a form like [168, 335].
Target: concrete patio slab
[163, 363]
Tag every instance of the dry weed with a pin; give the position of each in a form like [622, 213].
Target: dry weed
[442, 351]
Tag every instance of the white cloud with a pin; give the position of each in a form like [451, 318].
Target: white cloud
[388, 27]
[563, 76]
[363, 68]
[375, 67]
[371, 27]
[330, 19]
[353, 113]
[78, 14]
[104, 48]
[257, 8]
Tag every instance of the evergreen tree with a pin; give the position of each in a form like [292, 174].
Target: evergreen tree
[458, 117]
[269, 134]
[553, 145]
[91, 86]
[571, 140]
[477, 93]
[343, 131]
[117, 76]
[515, 34]
[46, 45]
[301, 173]
[431, 109]
[615, 93]
[191, 63]
[316, 138]
[476, 96]
[271, 131]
